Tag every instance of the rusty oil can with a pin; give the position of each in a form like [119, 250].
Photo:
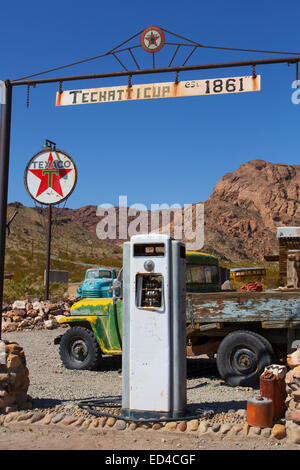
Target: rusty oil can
[272, 386]
[260, 412]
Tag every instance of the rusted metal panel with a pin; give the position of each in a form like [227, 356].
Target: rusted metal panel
[208, 326]
[281, 324]
[159, 90]
[198, 349]
[276, 308]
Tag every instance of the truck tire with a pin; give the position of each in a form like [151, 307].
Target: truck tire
[79, 349]
[242, 357]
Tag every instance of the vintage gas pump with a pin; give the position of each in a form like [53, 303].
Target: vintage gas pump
[154, 334]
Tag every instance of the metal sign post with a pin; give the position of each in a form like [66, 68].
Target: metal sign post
[48, 259]
[4, 171]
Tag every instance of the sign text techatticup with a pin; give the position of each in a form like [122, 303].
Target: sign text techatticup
[159, 90]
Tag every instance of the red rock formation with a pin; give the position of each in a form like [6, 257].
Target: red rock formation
[242, 213]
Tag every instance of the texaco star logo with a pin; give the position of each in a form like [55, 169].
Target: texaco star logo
[152, 39]
[50, 176]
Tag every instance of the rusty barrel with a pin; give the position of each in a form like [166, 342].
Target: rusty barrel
[260, 412]
[272, 386]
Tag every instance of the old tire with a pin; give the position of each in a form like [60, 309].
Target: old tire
[242, 357]
[79, 349]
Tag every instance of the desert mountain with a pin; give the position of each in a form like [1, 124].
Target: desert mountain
[249, 204]
[241, 217]
[242, 213]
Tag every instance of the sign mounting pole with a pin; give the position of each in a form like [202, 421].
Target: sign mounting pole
[51, 145]
[48, 261]
[4, 172]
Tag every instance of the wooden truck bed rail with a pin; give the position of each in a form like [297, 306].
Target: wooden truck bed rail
[273, 309]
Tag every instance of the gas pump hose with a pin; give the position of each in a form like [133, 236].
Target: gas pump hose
[115, 402]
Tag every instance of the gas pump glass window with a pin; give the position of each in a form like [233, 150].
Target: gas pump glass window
[149, 249]
[205, 274]
[149, 291]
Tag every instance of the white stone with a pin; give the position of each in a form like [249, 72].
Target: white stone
[36, 305]
[19, 304]
[203, 426]
[49, 324]
[225, 428]
[37, 319]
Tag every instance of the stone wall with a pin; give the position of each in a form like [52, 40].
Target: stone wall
[293, 387]
[23, 314]
[14, 378]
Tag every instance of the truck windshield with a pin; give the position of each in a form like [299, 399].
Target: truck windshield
[202, 274]
[96, 274]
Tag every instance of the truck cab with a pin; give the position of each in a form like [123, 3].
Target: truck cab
[202, 272]
[97, 283]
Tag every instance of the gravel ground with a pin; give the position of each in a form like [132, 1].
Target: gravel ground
[51, 384]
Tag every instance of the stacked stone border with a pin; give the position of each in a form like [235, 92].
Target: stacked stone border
[62, 419]
[34, 315]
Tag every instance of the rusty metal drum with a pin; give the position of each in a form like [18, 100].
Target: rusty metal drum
[260, 412]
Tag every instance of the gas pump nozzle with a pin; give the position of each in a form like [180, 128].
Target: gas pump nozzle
[116, 287]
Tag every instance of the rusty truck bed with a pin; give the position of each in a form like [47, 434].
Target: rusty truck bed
[273, 309]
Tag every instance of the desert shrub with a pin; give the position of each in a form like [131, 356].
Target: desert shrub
[57, 290]
[21, 290]
[27, 288]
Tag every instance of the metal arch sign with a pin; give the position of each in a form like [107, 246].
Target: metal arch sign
[152, 39]
[50, 176]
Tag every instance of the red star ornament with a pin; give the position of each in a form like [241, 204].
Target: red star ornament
[50, 177]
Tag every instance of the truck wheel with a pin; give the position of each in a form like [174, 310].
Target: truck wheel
[79, 349]
[242, 357]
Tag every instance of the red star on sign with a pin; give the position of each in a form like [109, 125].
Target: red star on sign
[152, 39]
[50, 177]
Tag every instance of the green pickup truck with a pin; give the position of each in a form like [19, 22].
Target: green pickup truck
[245, 330]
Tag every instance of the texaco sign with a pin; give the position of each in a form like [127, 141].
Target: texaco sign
[50, 176]
[152, 39]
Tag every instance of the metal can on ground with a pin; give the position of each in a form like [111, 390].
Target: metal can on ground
[260, 412]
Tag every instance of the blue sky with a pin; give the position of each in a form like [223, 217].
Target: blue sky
[154, 151]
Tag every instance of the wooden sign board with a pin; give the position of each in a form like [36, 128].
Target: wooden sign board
[213, 86]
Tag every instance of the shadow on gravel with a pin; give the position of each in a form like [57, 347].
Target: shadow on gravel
[196, 366]
[44, 403]
[110, 363]
[225, 406]
[201, 367]
[217, 407]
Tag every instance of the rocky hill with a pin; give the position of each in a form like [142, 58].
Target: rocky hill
[241, 217]
[242, 213]
[248, 205]
[73, 248]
